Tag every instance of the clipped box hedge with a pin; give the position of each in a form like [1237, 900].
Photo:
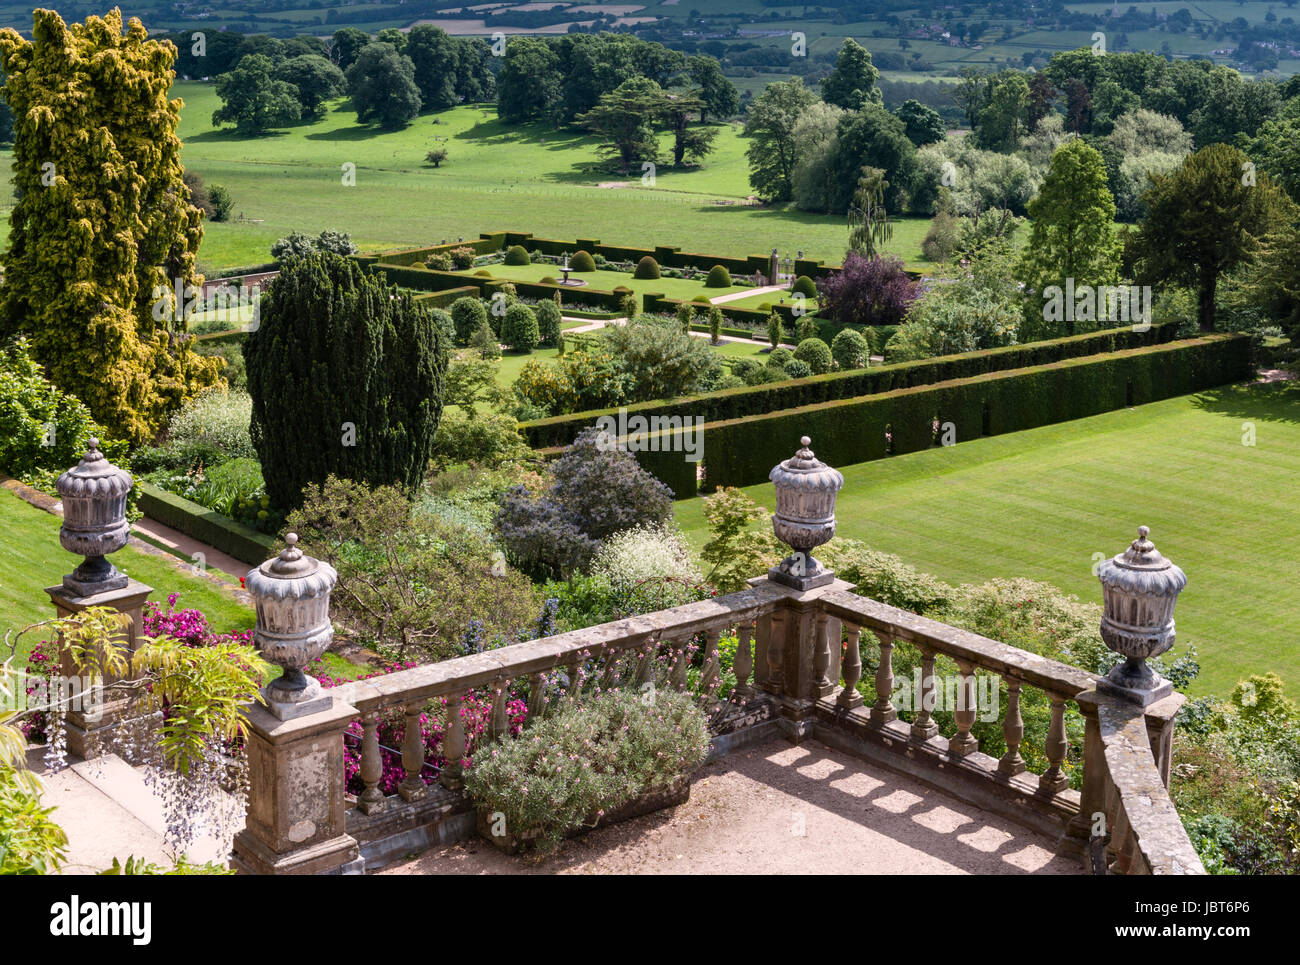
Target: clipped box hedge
[741, 452]
[205, 525]
[762, 399]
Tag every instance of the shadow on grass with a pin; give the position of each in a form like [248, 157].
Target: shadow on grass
[230, 135]
[1269, 401]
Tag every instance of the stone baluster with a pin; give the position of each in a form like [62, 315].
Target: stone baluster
[372, 799]
[536, 695]
[743, 665]
[923, 724]
[1013, 731]
[1054, 779]
[849, 697]
[964, 742]
[500, 724]
[681, 660]
[645, 666]
[882, 711]
[822, 685]
[453, 745]
[775, 658]
[413, 787]
[609, 676]
[577, 671]
[710, 676]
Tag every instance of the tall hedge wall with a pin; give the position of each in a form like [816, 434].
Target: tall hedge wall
[762, 399]
[741, 452]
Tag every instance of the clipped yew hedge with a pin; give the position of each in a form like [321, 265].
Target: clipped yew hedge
[772, 397]
[741, 452]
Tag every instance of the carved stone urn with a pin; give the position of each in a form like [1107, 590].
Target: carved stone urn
[94, 521]
[805, 516]
[1139, 588]
[292, 596]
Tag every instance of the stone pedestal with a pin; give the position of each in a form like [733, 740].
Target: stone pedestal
[296, 822]
[90, 734]
[796, 635]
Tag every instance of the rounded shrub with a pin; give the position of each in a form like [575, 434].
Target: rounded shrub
[778, 357]
[646, 268]
[519, 328]
[483, 273]
[798, 369]
[549, 322]
[804, 286]
[467, 314]
[582, 261]
[701, 298]
[549, 280]
[622, 290]
[816, 353]
[719, 277]
[850, 350]
[517, 255]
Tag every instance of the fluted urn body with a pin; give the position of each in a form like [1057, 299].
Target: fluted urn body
[292, 596]
[806, 489]
[1139, 588]
[94, 520]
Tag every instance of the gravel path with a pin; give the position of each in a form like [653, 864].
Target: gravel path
[784, 809]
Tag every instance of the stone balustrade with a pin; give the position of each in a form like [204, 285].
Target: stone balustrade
[791, 679]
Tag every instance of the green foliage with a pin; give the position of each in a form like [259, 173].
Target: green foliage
[715, 324]
[943, 237]
[296, 244]
[778, 358]
[468, 315]
[770, 123]
[646, 268]
[488, 439]
[519, 330]
[816, 354]
[869, 226]
[42, 431]
[582, 261]
[976, 309]
[353, 389]
[94, 257]
[718, 277]
[253, 101]
[180, 866]
[550, 323]
[762, 399]
[658, 359]
[408, 581]
[516, 255]
[315, 81]
[775, 332]
[804, 286]
[624, 118]
[850, 350]
[1073, 233]
[1203, 221]
[851, 84]
[382, 85]
[798, 369]
[736, 550]
[588, 759]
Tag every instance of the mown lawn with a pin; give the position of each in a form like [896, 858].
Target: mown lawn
[1041, 503]
[524, 178]
[33, 560]
[609, 280]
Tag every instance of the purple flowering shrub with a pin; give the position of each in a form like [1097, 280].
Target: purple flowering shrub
[40, 663]
[475, 715]
[868, 291]
[190, 627]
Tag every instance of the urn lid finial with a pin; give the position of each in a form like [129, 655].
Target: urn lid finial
[93, 476]
[1143, 569]
[291, 563]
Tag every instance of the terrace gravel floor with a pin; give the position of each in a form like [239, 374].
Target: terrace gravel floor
[780, 808]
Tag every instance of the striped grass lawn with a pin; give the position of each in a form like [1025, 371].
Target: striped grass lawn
[1042, 503]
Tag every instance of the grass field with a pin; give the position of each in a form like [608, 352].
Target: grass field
[33, 560]
[524, 178]
[1042, 503]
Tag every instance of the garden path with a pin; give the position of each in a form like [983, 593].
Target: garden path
[747, 293]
